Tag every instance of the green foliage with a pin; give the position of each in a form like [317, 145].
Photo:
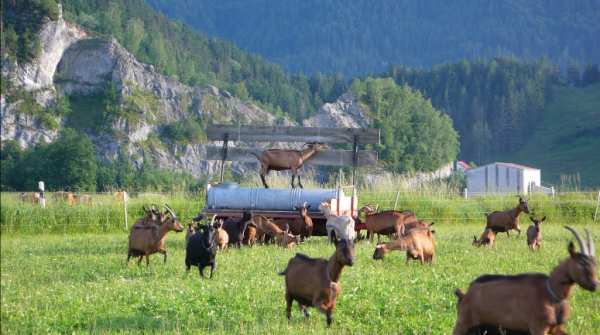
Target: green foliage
[21, 21]
[495, 105]
[591, 74]
[184, 131]
[355, 37]
[414, 136]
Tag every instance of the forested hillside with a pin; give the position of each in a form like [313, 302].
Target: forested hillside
[359, 36]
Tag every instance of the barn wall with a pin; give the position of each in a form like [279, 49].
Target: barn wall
[498, 178]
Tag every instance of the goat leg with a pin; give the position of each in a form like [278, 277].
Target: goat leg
[299, 183]
[212, 270]
[201, 268]
[164, 252]
[128, 257]
[293, 177]
[288, 307]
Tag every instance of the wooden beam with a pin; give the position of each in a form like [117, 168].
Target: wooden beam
[366, 158]
[291, 134]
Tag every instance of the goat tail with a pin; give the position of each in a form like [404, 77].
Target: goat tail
[460, 294]
[281, 273]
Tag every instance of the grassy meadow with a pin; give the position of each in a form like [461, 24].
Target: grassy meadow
[63, 271]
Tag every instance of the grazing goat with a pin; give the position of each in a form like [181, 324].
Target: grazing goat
[385, 223]
[534, 234]
[189, 232]
[121, 196]
[63, 196]
[314, 282]
[149, 239]
[341, 224]
[301, 225]
[531, 302]
[86, 199]
[278, 160]
[418, 244]
[221, 238]
[487, 238]
[32, 197]
[235, 229]
[201, 249]
[507, 220]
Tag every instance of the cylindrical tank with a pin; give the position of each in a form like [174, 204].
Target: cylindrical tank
[277, 199]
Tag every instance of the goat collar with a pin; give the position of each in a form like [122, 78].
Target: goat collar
[210, 245]
[552, 293]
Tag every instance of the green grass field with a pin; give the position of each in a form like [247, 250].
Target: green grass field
[76, 281]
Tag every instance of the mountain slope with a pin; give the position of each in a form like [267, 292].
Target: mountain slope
[359, 36]
[567, 141]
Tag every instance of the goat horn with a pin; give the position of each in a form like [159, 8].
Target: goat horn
[580, 240]
[146, 206]
[213, 220]
[590, 244]
[170, 211]
[287, 228]
[305, 204]
[155, 207]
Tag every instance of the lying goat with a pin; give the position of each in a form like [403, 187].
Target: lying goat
[487, 238]
[418, 244]
[278, 160]
[507, 220]
[150, 239]
[287, 240]
[201, 250]
[534, 234]
[220, 237]
[301, 225]
[385, 223]
[531, 302]
[314, 282]
[235, 229]
[341, 224]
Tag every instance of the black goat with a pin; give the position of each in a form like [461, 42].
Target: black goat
[235, 229]
[201, 250]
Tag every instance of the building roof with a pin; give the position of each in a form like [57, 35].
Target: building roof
[463, 164]
[515, 166]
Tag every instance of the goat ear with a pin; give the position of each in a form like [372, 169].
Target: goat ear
[544, 218]
[378, 246]
[251, 224]
[531, 218]
[295, 208]
[572, 250]
[307, 207]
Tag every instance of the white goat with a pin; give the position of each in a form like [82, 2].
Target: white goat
[342, 224]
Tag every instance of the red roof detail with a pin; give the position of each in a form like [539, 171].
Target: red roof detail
[463, 164]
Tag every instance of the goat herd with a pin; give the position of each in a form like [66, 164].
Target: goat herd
[492, 302]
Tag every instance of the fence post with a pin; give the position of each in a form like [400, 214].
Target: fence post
[396, 202]
[597, 202]
[125, 208]
[42, 196]
[465, 193]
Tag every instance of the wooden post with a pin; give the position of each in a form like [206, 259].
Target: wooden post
[466, 193]
[396, 202]
[225, 140]
[42, 197]
[125, 208]
[597, 202]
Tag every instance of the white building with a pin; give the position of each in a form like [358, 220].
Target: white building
[502, 178]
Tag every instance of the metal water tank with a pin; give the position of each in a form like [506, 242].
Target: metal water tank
[277, 199]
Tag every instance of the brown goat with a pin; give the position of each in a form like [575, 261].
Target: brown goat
[149, 239]
[261, 227]
[418, 244]
[152, 214]
[507, 220]
[86, 199]
[31, 197]
[531, 302]
[287, 240]
[221, 238]
[387, 222]
[301, 225]
[64, 196]
[534, 234]
[488, 237]
[189, 232]
[314, 282]
[416, 224]
[278, 160]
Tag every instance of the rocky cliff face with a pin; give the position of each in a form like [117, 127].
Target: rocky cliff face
[72, 62]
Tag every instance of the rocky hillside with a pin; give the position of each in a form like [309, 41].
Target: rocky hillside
[72, 62]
